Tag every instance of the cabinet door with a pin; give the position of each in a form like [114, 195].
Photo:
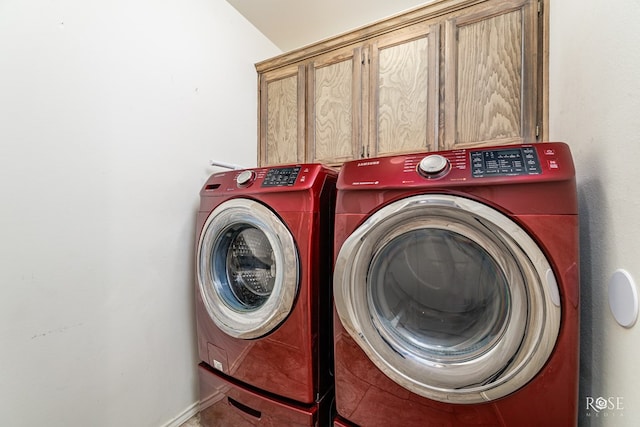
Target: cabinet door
[403, 106]
[491, 75]
[281, 116]
[333, 101]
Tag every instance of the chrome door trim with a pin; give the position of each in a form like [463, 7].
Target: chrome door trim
[502, 367]
[257, 322]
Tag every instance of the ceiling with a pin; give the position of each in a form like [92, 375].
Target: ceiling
[291, 24]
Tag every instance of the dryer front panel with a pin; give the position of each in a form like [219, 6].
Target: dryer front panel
[448, 297]
[247, 268]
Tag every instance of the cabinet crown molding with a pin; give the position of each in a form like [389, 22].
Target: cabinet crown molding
[421, 13]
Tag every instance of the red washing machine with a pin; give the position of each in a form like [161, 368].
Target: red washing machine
[456, 288]
[263, 297]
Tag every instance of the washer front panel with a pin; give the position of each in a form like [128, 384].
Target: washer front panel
[448, 297]
[247, 268]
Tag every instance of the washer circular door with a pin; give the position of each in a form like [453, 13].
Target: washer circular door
[448, 297]
[247, 268]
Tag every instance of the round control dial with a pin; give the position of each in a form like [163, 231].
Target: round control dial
[245, 178]
[433, 165]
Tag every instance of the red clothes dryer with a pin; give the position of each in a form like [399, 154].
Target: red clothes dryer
[456, 288]
[263, 296]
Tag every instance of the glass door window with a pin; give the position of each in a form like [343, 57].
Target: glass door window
[448, 297]
[247, 268]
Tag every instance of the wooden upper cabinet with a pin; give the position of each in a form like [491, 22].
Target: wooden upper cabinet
[450, 74]
[281, 116]
[333, 102]
[403, 94]
[491, 75]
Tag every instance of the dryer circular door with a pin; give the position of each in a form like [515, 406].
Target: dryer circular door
[247, 268]
[450, 298]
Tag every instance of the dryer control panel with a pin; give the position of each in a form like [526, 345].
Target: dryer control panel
[524, 178]
[505, 162]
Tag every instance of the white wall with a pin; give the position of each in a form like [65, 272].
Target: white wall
[109, 113]
[595, 107]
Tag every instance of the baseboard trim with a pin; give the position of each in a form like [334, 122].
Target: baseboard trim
[184, 416]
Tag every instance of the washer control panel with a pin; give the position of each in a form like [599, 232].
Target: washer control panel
[505, 162]
[281, 177]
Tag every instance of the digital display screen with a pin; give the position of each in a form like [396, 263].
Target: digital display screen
[281, 177]
[505, 162]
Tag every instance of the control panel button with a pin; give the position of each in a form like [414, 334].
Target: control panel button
[433, 165]
[245, 178]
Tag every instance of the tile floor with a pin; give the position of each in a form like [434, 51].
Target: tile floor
[192, 422]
